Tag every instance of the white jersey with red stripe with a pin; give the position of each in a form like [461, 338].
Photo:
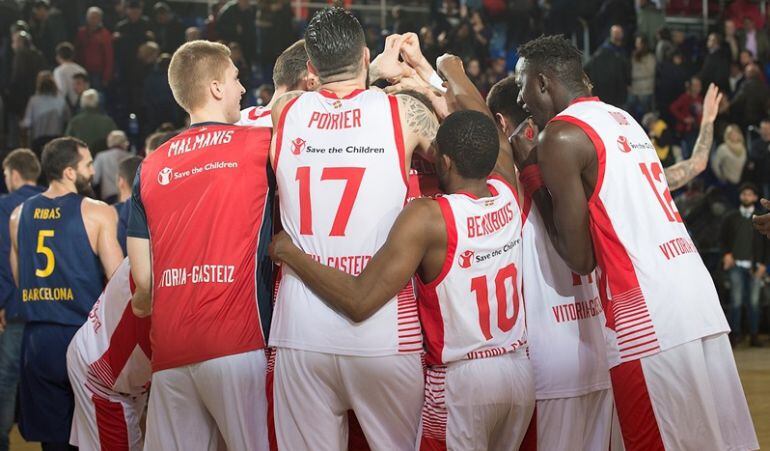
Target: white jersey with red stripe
[564, 318]
[256, 116]
[340, 168]
[657, 290]
[483, 263]
[114, 343]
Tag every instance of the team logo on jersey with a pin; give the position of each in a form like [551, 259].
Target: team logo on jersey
[337, 104]
[465, 259]
[297, 146]
[623, 144]
[620, 118]
[164, 176]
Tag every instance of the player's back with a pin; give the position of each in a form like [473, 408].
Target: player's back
[340, 167]
[483, 264]
[661, 293]
[207, 195]
[60, 276]
[114, 344]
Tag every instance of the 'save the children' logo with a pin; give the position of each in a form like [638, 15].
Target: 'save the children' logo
[464, 260]
[297, 146]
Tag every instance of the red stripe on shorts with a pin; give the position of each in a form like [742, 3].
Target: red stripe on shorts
[637, 419]
[269, 377]
[111, 423]
[529, 443]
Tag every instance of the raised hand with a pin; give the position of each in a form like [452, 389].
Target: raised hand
[387, 64]
[711, 102]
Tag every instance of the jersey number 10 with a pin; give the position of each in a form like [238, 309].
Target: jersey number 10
[504, 322]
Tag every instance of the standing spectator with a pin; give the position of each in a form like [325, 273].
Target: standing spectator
[749, 105]
[744, 260]
[192, 34]
[642, 79]
[473, 70]
[80, 84]
[130, 34]
[736, 78]
[730, 157]
[106, 166]
[47, 112]
[27, 62]
[91, 125]
[277, 30]
[687, 111]
[159, 105]
[755, 41]
[236, 23]
[402, 23]
[464, 42]
[664, 49]
[244, 72]
[93, 49]
[496, 70]
[610, 71]
[48, 28]
[65, 72]
[716, 66]
[745, 58]
[732, 40]
[168, 30]
[758, 166]
[428, 45]
[649, 19]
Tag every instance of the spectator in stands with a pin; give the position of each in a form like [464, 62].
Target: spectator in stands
[91, 125]
[244, 71]
[192, 34]
[80, 85]
[663, 139]
[739, 10]
[749, 105]
[127, 168]
[428, 45]
[687, 111]
[642, 79]
[496, 71]
[159, 105]
[236, 23]
[716, 66]
[610, 71]
[156, 140]
[168, 30]
[48, 28]
[755, 41]
[277, 31]
[129, 35]
[736, 79]
[745, 259]
[664, 49]
[473, 70]
[758, 166]
[731, 39]
[464, 42]
[745, 58]
[730, 158]
[649, 19]
[265, 93]
[93, 49]
[47, 112]
[402, 23]
[611, 13]
[27, 62]
[65, 72]
[106, 166]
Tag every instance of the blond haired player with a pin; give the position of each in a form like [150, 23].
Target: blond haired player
[197, 240]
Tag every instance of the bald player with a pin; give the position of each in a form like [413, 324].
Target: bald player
[341, 157]
[289, 74]
[608, 204]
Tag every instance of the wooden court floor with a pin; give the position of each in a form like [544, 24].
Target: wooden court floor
[753, 364]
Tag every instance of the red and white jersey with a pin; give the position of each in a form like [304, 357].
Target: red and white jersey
[657, 291]
[114, 342]
[423, 180]
[564, 318]
[340, 168]
[483, 264]
[256, 116]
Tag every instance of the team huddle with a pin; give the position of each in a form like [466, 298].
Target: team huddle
[451, 272]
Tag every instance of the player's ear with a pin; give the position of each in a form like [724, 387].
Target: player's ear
[311, 69]
[217, 89]
[367, 57]
[542, 82]
[500, 121]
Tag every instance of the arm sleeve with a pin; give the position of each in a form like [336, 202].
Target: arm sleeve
[137, 218]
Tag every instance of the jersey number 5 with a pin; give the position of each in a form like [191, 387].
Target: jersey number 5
[50, 261]
[504, 322]
[352, 178]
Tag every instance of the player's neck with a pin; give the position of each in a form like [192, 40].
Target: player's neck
[123, 196]
[279, 91]
[208, 115]
[570, 97]
[477, 188]
[344, 87]
[59, 188]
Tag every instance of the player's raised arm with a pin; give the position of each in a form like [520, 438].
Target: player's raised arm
[385, 275]
[678, 175]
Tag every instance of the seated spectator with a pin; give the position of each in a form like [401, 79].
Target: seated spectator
[687, 111]
[749, 105]
[106, 166]
[65, 72]
[663, 139]
[758, 166]
[94, 50]
[730, 157]
[745, 259]
[127, 168]
[91, 125]
[642, 79]
[46, 114]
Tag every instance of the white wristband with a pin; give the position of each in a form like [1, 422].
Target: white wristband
[437, 82]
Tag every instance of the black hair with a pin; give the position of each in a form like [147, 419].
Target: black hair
[334, 41]
[503, 99]
[749, 186]
[469, 139]
[60, 154]
[556, 57]
[291, 66]
[65, 51]
[127, 168]
[80, 76]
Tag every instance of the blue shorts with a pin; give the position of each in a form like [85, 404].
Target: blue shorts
[45, 395]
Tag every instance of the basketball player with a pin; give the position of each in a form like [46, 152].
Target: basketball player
[289, 74]
[108, 362]
[479, 386]
[21, 169]
[126, 173]
[62, 246]
[199, 227]
[342, 156]
[609, 204]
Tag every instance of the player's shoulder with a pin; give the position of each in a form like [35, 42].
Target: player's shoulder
[424, 209]
[98, 209]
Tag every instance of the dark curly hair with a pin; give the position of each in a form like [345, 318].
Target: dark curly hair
[556, 57]
[469, 139]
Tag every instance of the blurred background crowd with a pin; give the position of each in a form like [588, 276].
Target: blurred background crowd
[96, 70]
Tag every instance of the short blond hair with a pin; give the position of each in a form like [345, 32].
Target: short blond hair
[193, 66]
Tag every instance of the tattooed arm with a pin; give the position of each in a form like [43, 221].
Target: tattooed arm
[419, 126]
[681, 173]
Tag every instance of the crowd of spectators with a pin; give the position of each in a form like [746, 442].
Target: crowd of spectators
[89, 68]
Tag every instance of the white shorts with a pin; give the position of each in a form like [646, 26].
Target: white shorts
[481, 404]
[565, 424]
[685, 398]
[205, 405]
[313, 391]
[102, 420]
